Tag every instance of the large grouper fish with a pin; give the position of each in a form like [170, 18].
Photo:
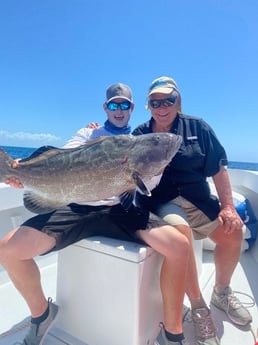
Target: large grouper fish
[99, 169]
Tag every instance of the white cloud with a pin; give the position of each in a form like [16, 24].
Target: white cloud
[28, 136]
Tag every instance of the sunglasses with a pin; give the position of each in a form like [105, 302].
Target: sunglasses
[167, 102]
[113, 106]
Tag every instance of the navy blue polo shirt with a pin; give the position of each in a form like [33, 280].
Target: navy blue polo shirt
[200, 156]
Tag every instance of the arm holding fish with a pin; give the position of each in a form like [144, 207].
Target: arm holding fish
[14, 181]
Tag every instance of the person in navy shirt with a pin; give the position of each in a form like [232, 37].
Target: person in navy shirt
[184, 200]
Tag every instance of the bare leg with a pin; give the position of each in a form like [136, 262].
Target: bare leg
[193, 292]
[192, 284]
[17, 250]
[175, 248]
[226, 254]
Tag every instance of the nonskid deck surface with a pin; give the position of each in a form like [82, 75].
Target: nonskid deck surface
[245, 288]
[14, 316]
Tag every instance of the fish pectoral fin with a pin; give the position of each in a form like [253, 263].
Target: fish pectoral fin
[140, 184]
[126, 199]
[36, 204]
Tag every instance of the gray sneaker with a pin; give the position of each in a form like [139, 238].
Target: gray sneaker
[37, 333]
[162, 340]
[231, 305]
[205, 331]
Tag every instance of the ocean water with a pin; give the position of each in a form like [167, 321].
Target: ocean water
[17, 151]
[23, 152]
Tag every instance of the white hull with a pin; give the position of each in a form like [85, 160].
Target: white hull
[14, 316]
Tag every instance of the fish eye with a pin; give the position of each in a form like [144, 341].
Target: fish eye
[157, 139]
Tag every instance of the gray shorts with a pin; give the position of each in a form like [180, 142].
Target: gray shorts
[180, 211]
[75, 222]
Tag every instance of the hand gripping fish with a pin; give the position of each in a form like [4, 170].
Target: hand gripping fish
[99, 169]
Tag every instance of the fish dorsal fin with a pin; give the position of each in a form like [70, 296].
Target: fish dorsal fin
[50, 151]
[40, 151]
[140, 184]
[126, 199]
[37, 204]
[41, 154]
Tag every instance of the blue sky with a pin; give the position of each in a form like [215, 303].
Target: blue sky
[57, 58]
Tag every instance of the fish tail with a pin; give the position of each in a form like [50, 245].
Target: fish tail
[5, 165]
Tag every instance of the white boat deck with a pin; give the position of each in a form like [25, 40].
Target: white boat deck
[14, 317]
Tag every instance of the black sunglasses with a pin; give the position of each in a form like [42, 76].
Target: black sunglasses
[167, 102]
[113, 106]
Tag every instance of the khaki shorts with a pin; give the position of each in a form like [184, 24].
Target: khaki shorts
[180, 211]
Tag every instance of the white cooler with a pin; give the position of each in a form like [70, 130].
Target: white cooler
[108, 292]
